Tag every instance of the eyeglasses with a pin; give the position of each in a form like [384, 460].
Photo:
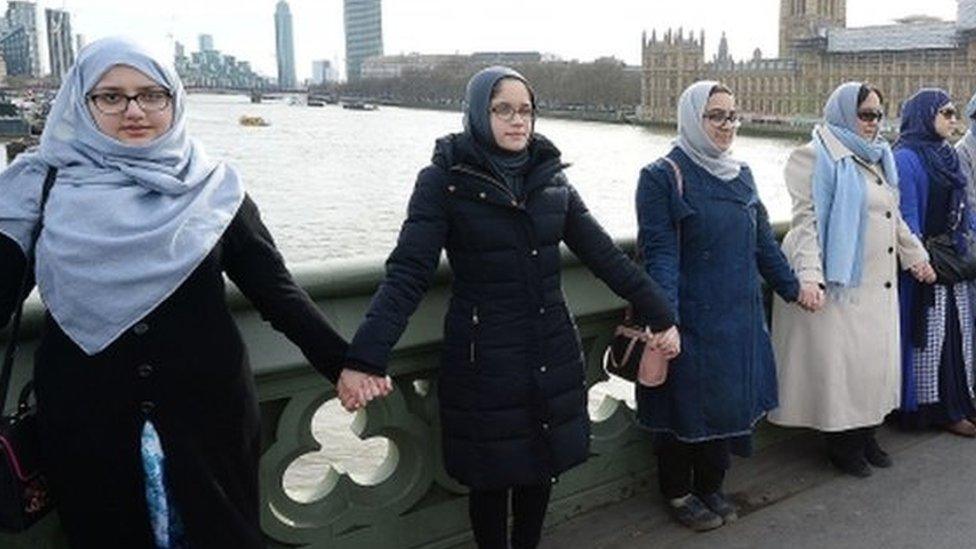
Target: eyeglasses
[949, 112]
[870, 115]
[117, 103]
[719, 118]
[507, 112]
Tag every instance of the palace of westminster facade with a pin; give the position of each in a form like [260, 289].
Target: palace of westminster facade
[817, 52]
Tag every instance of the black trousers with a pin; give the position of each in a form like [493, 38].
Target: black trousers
[488, 510]
[849, 445]
[685, 467]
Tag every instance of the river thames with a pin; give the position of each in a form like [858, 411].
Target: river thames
[334, 183]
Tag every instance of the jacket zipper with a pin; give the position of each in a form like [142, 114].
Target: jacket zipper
[474, 329]
[485, 177]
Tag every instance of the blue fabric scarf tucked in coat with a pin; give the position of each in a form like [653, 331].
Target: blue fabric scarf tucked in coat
[839, 198]
[939, 158]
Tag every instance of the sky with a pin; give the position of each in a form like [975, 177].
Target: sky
[582, 30]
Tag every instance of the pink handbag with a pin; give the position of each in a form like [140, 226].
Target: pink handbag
[629, 356]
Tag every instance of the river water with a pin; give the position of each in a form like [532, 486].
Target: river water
[334, 183]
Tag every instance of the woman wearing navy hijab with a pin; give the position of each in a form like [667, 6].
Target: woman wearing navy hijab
[937, 320]
[146, 408]
[512, 385]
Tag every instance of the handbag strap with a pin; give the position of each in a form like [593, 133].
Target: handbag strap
[679, 183]
[24, 291]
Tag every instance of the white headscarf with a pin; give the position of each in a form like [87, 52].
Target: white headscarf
[125, 225]
[694, 141]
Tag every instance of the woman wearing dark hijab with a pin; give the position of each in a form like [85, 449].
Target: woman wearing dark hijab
[146, 408]
[937, 320]
[512, 389]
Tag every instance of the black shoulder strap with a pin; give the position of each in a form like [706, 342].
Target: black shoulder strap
[11, 352]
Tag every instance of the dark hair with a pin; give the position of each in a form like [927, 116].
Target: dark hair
[720, 88]
[865, 91]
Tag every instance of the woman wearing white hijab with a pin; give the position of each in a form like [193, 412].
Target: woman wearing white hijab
[148, 420]
[708, 245]
[839, 369]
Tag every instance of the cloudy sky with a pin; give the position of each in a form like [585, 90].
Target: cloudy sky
[571, 30]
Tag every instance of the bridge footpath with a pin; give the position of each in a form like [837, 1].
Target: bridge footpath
[787, 492]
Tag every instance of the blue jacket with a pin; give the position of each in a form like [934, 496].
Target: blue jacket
[511, 388]
[725, 378]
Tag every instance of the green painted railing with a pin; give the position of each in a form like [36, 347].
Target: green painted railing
[411, 502]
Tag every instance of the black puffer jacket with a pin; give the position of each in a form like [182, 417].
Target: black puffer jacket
[512, 386]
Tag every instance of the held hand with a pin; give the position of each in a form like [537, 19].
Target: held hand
[356, 389]
[923, 272]
[668, 341]
[812, 297]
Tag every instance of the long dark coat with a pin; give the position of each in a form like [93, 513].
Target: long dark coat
[185, 367]
[709, 249]
[512, 388]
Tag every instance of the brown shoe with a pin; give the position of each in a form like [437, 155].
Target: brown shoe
[962, 428]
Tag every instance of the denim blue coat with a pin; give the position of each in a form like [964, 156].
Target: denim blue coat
[708, 249]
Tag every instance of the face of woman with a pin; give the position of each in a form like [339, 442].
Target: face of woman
[129, 106]
[720, 120]
[512, 115]
[946, 120]
[869, 114]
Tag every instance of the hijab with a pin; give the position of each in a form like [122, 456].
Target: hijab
[693, 139]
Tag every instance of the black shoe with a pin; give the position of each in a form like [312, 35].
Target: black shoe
[691, 512]
[875, 455]
[856, 467]
[721, 506]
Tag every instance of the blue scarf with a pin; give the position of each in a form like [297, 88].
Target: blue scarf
[839, 196]
[125, 224]
[939, 158]
[507, 165]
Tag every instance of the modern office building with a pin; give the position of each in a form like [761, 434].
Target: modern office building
[323, 72]
[364, 34]
[60, 48]
[285, 46]
[18, 39]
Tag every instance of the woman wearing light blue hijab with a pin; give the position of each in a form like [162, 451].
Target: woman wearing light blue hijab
[146, 406]
[709, 244]
[839, 369]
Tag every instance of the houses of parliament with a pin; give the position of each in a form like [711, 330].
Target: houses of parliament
[817, 52]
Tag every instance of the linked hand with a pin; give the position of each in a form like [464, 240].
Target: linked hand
[812, 297]
[668, 341]
[923, 272]
[356, 389]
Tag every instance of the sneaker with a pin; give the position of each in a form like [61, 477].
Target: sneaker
[691, 512]
[721, 506]
[857, 467]
[962, 428]
[875, 455]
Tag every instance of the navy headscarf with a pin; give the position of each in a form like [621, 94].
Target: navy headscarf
[509, 166]
[941, 161]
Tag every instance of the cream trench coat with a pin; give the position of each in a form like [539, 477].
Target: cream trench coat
[840, 368]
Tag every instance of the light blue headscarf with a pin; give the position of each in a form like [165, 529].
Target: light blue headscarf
[692, 138]
[839, 195]
[125, 225]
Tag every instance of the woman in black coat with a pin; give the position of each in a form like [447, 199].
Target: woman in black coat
[148, 419]
[512, 388]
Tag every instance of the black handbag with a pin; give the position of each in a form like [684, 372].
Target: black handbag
[950, 267]
[25, 496]
[627, 356]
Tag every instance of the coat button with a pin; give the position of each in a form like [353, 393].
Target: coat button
[553, 480]
[706, 255]
[879, 181]
[140, 328]
[891, 250]
[888, 215]
[147, 406]
[545, 426]
[482, 195]
[542, 310]
[534, 253]
[542, 369]
[887, 284]
[451, 188]
[144, 370]
[515, 203]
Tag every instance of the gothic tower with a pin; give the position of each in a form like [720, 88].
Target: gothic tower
[804, 19]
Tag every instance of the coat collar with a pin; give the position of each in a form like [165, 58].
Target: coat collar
[833, 145]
